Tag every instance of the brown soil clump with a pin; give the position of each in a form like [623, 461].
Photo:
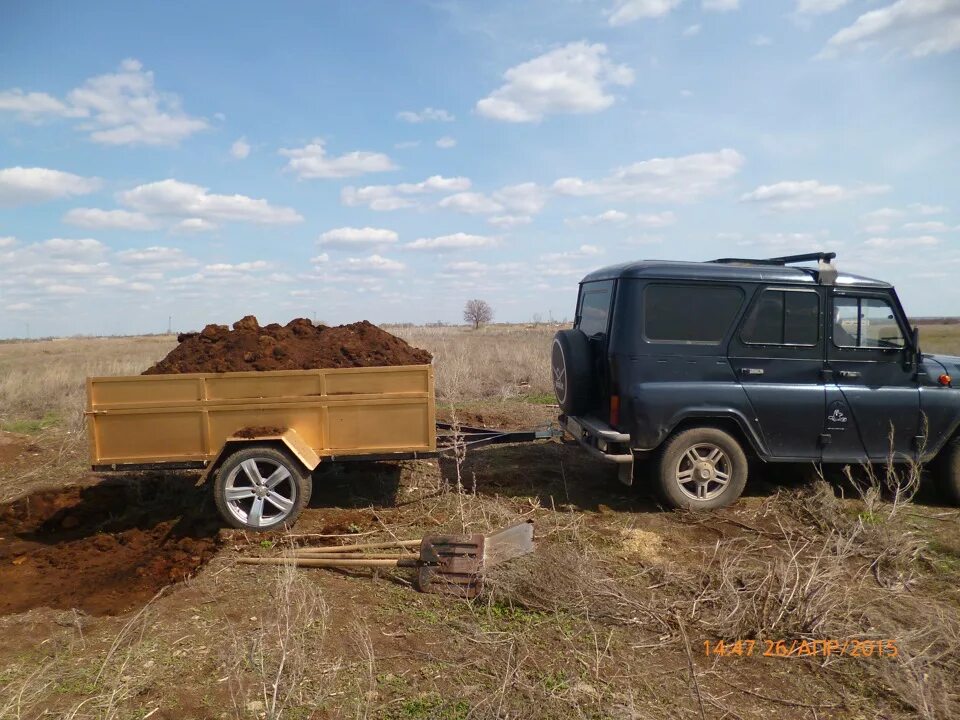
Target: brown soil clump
[298, 345]
[104, 549]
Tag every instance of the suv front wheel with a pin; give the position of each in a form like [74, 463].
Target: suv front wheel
[701, 469]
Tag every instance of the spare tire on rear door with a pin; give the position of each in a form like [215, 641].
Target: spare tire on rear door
[571, 364]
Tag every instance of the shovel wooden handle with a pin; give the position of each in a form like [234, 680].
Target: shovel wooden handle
[330, 562]
[361, 546]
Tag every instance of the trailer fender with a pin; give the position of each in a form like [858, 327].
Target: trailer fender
[288, 438]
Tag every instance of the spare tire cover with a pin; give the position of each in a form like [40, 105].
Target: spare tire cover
[571, 369]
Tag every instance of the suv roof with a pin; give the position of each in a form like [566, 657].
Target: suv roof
[733, 269]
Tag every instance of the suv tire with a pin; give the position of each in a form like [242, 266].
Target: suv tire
[244, 483]
[947, 470]
[571, 363]
[701, 469]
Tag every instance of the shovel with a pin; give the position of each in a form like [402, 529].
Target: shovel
[446, 564]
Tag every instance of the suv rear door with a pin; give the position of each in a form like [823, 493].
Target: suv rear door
[777, 354]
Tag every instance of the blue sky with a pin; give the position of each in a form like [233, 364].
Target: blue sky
[390, 160]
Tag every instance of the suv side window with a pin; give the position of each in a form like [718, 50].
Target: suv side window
[783, 317]
[594, 310]
[690, 314]
[865, 322]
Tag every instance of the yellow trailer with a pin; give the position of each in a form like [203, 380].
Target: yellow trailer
[260, 435]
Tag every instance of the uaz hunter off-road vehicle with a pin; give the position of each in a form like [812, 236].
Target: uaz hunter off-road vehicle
[700, 365]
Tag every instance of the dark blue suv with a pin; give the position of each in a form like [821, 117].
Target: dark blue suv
[700, 365]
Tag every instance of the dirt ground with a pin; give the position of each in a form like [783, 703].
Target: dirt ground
[123, 598]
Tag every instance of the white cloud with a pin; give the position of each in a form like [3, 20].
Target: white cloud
[818, 7]
[446, 142]
[467, 267]
[665, 180]
[173, 198]
[619, 218]
[240, 149]
[95, 218]
[509, 221]
[691, 30]
[721, 5]
[510, 205]
[126, 109]
[457, 241]
[320, 259]
[33, 105]
[628, 11]
[20, 185]
[156, 257]
[930, 226]
[7, 241]
[121, 108]
[901, 242]
[235, 269]
[916, 27]
[371, 263]
[345, 237]
[573, 79]
[584, 251]
[428, 114]
[312, 161]
[472, 203]
[70, 248]
[805, 194]
[927, 209]
[396, 197]
[19, 307]
[761, 41]
[194, 225]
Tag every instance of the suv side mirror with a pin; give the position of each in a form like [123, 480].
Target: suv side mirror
[914, 356]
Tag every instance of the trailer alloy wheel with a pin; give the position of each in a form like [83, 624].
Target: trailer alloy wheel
[261, 488]
[701, 469]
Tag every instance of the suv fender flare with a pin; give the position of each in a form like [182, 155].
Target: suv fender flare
[703, 416]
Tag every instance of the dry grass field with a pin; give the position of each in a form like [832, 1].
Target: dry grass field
[607, 619]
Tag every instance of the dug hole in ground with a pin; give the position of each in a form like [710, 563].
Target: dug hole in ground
[124, 598]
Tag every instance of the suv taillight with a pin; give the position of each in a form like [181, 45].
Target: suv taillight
[614, 410]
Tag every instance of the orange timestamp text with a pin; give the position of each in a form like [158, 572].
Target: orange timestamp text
[851, 647]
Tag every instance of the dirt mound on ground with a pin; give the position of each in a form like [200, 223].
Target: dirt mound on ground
[298, 345]
[104, 549]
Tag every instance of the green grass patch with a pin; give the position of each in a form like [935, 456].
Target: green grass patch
[30, 427]
[429, 707]
[540, 399]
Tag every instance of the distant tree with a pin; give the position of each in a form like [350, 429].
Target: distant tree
[477, 312]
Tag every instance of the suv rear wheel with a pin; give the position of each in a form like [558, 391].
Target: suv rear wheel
[701, 469]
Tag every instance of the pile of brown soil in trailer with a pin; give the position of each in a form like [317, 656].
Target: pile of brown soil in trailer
[298, 345]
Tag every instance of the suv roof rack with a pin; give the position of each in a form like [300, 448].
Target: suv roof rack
[785, 260]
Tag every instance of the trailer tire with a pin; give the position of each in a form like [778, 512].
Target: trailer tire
[261, 488]
[947, 470]
[571, 365]
[701, 468]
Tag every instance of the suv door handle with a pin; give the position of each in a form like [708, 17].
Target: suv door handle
[752, 371]
[849, 373]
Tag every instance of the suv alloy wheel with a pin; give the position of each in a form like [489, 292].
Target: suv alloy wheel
[701, 469]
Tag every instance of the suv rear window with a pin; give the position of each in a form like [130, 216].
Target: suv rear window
[594, 307]
[689, 313]
[783, 317]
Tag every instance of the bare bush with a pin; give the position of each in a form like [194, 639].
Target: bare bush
[277, 665]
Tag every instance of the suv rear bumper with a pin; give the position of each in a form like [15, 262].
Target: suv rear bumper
[603, 442]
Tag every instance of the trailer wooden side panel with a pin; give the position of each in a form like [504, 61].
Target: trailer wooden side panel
[144, 419]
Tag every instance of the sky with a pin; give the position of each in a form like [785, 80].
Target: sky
[179, 163]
